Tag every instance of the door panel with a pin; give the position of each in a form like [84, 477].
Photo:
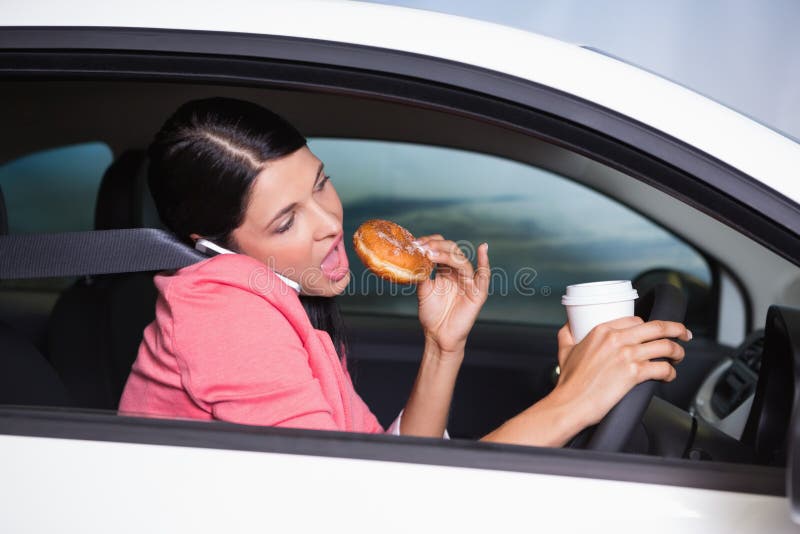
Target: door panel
[268, 491]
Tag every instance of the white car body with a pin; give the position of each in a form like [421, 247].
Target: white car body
[174, 489]
[83, 485]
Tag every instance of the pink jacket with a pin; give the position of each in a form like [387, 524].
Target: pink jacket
[232, 342]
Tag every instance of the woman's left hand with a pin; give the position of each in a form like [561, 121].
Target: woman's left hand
[449, 303]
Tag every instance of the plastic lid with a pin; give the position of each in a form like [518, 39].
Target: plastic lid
[599, 293]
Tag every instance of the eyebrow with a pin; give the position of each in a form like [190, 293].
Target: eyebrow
[293, 205]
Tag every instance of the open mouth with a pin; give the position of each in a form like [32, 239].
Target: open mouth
[335, 264]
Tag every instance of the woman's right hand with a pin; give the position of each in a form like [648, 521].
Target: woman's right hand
[614, 357]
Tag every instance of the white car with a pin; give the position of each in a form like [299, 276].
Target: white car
[573, 165]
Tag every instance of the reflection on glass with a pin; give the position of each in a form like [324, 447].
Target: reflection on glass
[544, 231]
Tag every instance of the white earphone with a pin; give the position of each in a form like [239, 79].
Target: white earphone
[207, 247]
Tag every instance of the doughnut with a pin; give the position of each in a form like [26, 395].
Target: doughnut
[386, 248]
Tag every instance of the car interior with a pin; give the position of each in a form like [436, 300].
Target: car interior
[71, 342]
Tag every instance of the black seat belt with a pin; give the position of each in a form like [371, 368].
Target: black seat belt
[92, 253]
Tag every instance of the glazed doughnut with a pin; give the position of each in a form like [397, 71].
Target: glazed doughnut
[386, 248]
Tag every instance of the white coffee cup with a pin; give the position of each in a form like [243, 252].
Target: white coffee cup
[589, 305]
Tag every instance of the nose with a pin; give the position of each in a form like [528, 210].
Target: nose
[328, 222]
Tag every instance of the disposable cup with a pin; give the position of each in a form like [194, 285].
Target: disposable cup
[589, 305]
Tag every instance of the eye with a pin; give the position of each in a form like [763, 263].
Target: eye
[321, 184]
[285, 226]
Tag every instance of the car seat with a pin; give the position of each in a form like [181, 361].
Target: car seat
[94, 332]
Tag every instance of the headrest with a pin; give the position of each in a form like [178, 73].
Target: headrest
[3, 215]
[124, 199]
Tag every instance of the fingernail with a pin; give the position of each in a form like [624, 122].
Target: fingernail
[487, 247]
[689, 333]
[432, 253]
[415, 242]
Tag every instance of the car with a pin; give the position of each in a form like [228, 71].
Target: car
[573, 165]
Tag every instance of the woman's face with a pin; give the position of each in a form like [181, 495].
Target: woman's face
[293, 223]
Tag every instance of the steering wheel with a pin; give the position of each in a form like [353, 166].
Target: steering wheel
[664, 302]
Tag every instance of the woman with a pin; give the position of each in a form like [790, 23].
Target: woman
[233, 340]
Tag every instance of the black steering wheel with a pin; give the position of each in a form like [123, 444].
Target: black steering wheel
[664, 302]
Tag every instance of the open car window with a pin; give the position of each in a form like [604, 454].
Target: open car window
[546, 229]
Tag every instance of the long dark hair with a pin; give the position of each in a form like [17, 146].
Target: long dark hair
[203, 163]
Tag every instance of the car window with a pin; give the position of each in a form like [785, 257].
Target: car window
[36, 185]
[544, 230]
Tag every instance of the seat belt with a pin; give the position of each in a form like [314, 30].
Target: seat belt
[24, 256]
